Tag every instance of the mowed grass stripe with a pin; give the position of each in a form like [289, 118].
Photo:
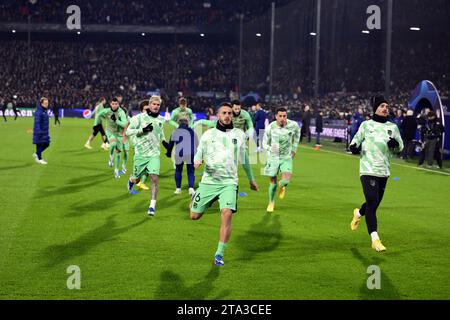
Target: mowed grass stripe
[77, 213]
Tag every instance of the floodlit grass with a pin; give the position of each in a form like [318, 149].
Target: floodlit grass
[73, 212]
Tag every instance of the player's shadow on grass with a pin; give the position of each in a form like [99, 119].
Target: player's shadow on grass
[81, 151]
[172, 287]
[264, 236]
[56, 254]
[15, 167]
[387, 291]
[181, 201]
[73, 185]
[95, 206]
[95, 168]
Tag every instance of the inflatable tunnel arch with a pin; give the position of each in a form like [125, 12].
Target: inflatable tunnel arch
[425, 95]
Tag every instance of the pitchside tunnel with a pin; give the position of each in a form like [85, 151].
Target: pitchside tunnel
[425, 95]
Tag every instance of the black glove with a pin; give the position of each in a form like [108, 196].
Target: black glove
[354, 149]
[113, 117]
[165, 145]
[148, 128]
[392, 143]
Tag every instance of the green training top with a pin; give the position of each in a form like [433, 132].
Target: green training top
[179, 113]
[243, 121]
[112, 127]
[96, 111]
[221, 152]
[208, 123]
[281, 142]
[146, 145]
[375, 153]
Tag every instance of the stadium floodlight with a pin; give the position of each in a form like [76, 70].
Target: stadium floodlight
[78, 32]
[258, 34]
[313, 34]
[366, 31]
[13, 31]
[143, 34]
[202, 34]
[414, 29]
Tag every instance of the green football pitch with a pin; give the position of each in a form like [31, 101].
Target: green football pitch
[73, 212]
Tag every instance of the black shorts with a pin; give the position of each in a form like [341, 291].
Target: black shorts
[98, 128]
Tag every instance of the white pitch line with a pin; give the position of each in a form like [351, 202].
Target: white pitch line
[397, 164]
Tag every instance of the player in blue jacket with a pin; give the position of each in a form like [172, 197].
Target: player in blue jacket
[41, 136]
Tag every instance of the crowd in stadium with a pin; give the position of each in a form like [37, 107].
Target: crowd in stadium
[170, 12]
[75, 75]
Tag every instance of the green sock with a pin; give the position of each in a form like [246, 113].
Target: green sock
[125, 158]
[284, 183]
[272, 192]
[117, 160]
[111, 150]
[221, 248]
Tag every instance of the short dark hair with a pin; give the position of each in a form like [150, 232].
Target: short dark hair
[114, 100]
[184, 121]
[236, 102]
[182, 100]
[143, 104]
[224, 104]
[280, 110]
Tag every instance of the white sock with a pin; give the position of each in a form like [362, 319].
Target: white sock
[359, 214]
[374, 236]
[87, 142]
[152, 204]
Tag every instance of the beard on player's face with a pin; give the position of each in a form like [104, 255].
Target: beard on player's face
[114, 106]
[225, 115]
[226, 120]
[281, 119]
[383, 110]
[154, 108]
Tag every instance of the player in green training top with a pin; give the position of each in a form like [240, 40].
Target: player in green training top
[220, 149]
[280, 142]
[116, 120]
[182, 112]
[125, 143]
[146, 133]
[242, 119]
[378, 140]
[141, 184]
[98, 127]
